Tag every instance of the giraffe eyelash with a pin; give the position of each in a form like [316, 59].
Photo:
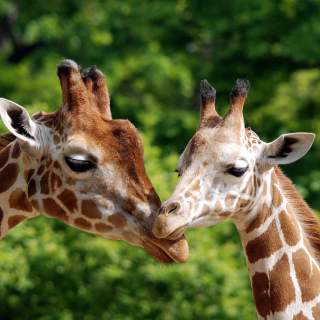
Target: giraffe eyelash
[79, 166]
[237, 172]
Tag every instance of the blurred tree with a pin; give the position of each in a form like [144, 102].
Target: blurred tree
[154, 54]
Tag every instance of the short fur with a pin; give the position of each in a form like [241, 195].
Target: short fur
[5, 139]
[306, 216]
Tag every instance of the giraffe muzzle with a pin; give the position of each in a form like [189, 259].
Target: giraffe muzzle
[168, 251]
[170, 223]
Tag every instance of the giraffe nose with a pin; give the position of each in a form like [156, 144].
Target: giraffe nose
[170, 208]
[170, 222]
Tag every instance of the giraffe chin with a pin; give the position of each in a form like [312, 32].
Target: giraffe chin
[167, 251]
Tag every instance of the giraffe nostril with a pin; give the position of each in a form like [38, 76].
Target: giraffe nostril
[171, 208]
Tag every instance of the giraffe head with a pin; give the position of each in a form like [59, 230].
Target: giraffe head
[222, 166]
[84, 168]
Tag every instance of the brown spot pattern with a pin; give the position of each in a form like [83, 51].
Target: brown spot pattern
[14, 220]
[56, 165]
[35, 204]
[48, 164]
[118, 220]
[103, 227]
[90, 210]
[28, 174]
[195, 185]
[1, 216]
[16, 151]
[18, 200]
[129, 236]
[276, 196]
[230, 199]
[56, 182]
[40, 170]
[188, 194]
[217, 207]
[264, 245]
[31, 188]
[300, 316]
[56, 139]
[281, 286]
[83, 223]
[274, 293]
[54, 210]
[243, 203]
[205, 210]
[289, 228]
[68, 198]
[44, 183]
[8, 176]
[316, 311]
[259, 219]
[4, 156]
[226, 214]
[129, 205]
[308, 278]
[260, 288]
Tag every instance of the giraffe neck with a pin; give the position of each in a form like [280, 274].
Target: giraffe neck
[283, 267]
[14, 204]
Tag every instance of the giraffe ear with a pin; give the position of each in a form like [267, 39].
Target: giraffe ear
[18, 122]
[288, 148]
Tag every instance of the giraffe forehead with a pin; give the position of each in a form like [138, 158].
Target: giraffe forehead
[90, 131]
[211, 139]
[225, 149]
[223, 135]
[229, 153]
[80, 143]
[225, 153]
[105, 143]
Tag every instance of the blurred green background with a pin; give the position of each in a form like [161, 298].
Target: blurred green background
[154, 54]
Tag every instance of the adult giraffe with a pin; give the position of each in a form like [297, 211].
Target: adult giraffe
[227, 171]
[80, 166]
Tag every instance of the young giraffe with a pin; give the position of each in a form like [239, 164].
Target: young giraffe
[80, 166]
[227, 171]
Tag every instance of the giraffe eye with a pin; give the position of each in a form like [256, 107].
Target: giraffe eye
[78, 165]
[237, 172]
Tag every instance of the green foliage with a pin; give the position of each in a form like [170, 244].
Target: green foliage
[50, 271]
[154, 54]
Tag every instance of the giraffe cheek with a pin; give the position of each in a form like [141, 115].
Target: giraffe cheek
[68, 198]
[230, 201]
[226, 214]
[83, 224]
[90, 210]
[54, 210]
[18, 200]
[218, 208]
[243, 203]
[118, 220]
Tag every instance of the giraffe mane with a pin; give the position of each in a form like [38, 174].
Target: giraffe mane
[5, 139]
[307, 218]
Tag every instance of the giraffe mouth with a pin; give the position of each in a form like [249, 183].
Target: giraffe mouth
[165, 250]
[176, 234]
